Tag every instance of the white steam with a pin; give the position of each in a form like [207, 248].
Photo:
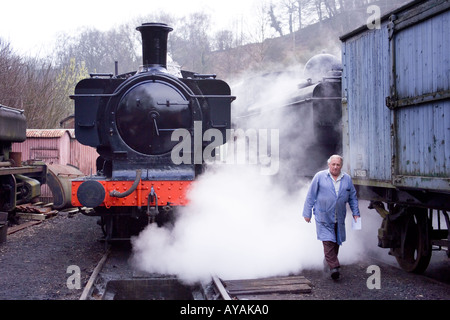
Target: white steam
[236, 226]
[240, 223]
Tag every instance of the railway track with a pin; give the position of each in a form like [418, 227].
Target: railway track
[72, 240]
[114, 279]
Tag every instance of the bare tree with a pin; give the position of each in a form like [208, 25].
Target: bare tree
[330, 6]
[223, 40]
[274, 21]
[305, 12]
[65, 81]
[99, 50]
[290, 7]
[190, 43]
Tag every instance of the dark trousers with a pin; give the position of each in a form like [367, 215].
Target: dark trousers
[331, 250]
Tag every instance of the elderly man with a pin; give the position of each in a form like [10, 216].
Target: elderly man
[328, 194]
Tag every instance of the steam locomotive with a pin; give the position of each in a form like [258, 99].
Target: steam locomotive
[306, 116]
[19, 183]
[144, 125]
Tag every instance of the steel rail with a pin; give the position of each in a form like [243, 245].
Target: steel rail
[222, 291]
[88, 288]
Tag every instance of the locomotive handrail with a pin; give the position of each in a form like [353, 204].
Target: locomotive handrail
[295, 103]
[92, 95]
[315, 98]
[197, 96]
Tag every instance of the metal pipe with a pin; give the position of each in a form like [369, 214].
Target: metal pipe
[118, 194]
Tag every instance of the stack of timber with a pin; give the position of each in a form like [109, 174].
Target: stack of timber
[34, 214]
[35, 211]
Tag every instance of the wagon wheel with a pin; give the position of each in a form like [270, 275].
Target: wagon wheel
[415, 252]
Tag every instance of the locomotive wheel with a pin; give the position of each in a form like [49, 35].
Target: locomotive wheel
[414, 254]
[122, 227]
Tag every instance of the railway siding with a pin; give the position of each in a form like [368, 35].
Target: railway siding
[35, 261]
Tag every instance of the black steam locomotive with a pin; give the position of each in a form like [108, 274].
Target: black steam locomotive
[19, 183]
[148, 129]
[307, 117]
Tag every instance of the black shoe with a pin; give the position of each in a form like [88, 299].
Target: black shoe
[335, 273]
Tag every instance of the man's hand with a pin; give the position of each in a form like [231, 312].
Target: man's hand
[307, 219]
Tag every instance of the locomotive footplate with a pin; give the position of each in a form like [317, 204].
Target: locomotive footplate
[168, 193]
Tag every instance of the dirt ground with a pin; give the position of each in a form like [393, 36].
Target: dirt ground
[34, 261]
[35, 265]
[357, 282]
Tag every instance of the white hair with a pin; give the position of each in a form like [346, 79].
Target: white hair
[335, 156]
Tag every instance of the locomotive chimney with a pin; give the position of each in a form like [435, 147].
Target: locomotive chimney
[154, 44]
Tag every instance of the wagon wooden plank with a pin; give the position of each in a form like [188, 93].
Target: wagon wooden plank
[297, 288]
[37, 216]
[32, 216]
[272, 285]
[271, 296]
[21, 226]
[263, 284]
[267, 281]
[257, 286]
[293, 278]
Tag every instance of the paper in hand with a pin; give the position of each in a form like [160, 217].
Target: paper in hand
[356, 225]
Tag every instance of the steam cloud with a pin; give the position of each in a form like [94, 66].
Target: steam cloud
[236, 226]
[240, 223]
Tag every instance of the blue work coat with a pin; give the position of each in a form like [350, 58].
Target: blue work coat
[330, 209]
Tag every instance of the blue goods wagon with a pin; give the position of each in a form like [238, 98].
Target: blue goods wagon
[396, 125]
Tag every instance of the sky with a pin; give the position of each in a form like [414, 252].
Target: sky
[31, 26]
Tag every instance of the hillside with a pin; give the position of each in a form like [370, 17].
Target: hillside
[293, 49]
